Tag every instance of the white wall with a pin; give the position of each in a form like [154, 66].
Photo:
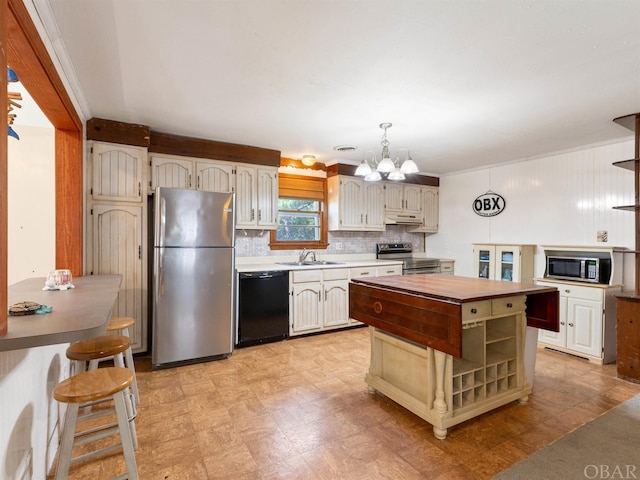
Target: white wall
[28, 415]
[561, 199]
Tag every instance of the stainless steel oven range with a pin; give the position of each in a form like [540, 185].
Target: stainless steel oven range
[411, 264]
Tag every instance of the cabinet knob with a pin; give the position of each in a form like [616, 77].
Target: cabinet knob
[567, 291]
[474, 310]
[561, 323]
[571, 324]
[509, 305]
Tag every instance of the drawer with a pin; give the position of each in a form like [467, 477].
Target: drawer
[389, 270]
[577, 291]
[507, 305]
[446, 267]
[335, 274]
[476, 310]
[304, 276]
[363, 272]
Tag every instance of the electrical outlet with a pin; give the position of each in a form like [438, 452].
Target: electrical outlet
[339, 246]
[602, 236]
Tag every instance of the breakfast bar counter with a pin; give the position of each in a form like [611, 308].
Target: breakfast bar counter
[77, 313]
[450, 348]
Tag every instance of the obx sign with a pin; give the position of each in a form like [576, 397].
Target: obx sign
[489, 204]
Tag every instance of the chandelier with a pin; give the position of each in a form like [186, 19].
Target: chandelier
[386, 168]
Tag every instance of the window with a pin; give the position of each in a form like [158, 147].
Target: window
[302, 218]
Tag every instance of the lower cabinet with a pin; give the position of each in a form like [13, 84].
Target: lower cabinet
[319, 300]
[587, 321]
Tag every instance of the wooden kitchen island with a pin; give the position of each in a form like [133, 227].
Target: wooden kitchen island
[450, 348]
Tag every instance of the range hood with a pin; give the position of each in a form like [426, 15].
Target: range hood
[391, 218]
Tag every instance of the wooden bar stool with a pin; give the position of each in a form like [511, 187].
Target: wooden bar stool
[120, 326]
[90, 351]
[93, 386]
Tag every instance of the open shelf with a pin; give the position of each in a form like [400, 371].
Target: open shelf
[627, 164]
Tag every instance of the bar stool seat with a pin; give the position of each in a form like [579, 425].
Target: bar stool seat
[91, 351]
[92, 386]
[120, 326]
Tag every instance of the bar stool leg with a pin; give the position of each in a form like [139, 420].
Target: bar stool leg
[128, 357]
[130, 404]
[129, 444]
[68, 432]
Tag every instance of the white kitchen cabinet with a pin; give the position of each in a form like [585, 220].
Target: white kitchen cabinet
[257, 197]
[319, 300]
[199, 174]
[403, 198]
[587, 321]
[117, 172]
[355, 205]
[171, 172]
[212, 176]
[118, 247]
[447, 266]
[116, 225]
[512, 263]
[430, 210]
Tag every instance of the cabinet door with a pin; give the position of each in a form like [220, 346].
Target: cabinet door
[351, 211]
[336, 303]
[215, 177]
[267, 198]
[373, 206]
[430, 209]
[246, 191]
[171, 173]
[306, 307]
[559, 338]
[393, 197]
[584, 326]
[117, 249]
[412, 195]
[484, 260]
[117, 172]
[507, 263]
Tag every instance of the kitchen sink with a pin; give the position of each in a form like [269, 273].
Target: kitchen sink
[309, 263]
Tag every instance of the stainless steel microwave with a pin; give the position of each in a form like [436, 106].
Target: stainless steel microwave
[581, 269]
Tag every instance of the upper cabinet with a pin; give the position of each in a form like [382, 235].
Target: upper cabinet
[116, 172]
[257, 197]
[355, 205]
[429, 210]
[403, 198]
[256, 186]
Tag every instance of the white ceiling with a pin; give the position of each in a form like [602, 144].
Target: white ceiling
[465, 83]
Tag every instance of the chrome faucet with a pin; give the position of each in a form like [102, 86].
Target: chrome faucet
[305, 253]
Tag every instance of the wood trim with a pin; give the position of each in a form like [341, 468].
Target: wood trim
[200, 148]
[69, 194]
[3, 175]
[28, 56]
[292, 162]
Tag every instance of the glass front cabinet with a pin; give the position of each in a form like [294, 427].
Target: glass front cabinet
[510, 263]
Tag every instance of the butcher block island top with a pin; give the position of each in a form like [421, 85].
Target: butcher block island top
[450, 348]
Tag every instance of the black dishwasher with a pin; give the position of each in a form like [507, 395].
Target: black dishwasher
[263, 307]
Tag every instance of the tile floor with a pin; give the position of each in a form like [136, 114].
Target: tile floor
[299, 409]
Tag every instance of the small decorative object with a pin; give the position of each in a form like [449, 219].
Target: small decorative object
[58, 280]
[24, 308]
[489, 204]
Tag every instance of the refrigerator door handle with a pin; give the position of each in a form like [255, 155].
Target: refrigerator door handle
[160, 272]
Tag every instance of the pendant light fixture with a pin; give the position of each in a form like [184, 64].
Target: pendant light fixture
[386, 168]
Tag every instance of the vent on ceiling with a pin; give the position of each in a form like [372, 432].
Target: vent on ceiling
[345, 148]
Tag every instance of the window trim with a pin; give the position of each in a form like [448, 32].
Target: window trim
[296, 186]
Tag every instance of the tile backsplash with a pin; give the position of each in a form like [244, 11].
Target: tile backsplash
[253, 243]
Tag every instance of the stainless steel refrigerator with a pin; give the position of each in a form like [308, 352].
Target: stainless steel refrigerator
[193, 276]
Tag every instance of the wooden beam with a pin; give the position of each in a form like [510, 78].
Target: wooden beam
[200, 148]
[118, 132]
